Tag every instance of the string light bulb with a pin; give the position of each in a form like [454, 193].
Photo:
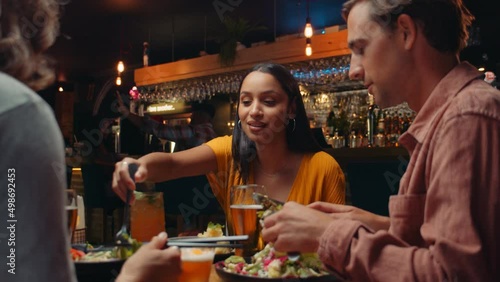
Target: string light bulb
[120, 67]
[308, 30]
[308, 47]
[118, 81]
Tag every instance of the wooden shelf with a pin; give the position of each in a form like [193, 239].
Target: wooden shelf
[289, 51]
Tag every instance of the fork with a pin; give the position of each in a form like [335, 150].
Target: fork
[272, 206]
[122, 237]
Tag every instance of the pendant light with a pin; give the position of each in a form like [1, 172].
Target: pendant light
[120, 67]
[308, 33]
[308, 30]
[308, 47]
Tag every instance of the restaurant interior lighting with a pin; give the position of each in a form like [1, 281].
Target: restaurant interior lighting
[120, 67]
[308, 47]
[118, 81]
[61, 89]
[480, 69]
[308, 30]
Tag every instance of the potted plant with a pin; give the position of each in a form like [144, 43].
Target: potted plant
[234, 31]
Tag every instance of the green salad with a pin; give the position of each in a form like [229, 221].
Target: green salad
[269, 263]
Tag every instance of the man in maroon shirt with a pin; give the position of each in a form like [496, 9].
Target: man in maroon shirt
[444, 224]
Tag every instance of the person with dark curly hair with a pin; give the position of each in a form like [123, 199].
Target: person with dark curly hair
[34, 241]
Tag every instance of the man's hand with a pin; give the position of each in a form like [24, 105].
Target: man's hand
[295, 228]
[152, 263]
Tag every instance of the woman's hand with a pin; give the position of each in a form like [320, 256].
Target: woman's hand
[295, 228]
[122, 180]
[152, 263]
[375, 222]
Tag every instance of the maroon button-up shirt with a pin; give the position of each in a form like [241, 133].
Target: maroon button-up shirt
[445, 221]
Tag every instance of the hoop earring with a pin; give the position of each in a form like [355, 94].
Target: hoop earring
[239, 124]
[293, 128]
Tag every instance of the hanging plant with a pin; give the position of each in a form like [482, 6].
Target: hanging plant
[234, 32]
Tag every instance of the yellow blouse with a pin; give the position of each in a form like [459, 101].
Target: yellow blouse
[319, 178]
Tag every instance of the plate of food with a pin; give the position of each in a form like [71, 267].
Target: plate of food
[100, 263]
[269, 265]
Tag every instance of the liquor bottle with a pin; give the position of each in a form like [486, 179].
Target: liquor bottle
[330, 123]
[371, 120]
[353, 140]
[380, 137]
[388, 128]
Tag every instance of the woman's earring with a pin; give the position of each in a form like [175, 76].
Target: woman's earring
[293, 128]
[239, 124]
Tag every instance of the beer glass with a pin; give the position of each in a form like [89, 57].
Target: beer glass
[244, 220]
[147, 217]
[71, 210]
[196, 264]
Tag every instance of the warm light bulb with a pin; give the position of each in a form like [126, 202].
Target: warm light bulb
[118, 81]
[480, 69]
[61, 89]
[120, 67]
[308, 30]
[309, 50]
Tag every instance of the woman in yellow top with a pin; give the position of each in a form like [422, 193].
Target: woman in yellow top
[271, 145]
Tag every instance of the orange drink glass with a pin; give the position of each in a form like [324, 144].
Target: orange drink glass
[147, 217]
[244, 220]
[196, 264]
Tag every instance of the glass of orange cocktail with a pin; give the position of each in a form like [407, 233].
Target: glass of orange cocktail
[244, 220]
[196, 264]
[147, 217]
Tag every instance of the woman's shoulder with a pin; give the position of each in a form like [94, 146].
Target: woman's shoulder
[320, 156]
[320, 159]
[222, 143]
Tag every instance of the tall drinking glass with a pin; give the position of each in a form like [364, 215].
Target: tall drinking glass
[244, 220]
[147, 217]
[70, 205]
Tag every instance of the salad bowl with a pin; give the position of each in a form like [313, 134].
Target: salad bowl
[235, 277]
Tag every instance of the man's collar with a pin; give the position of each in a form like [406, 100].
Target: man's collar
[446, 89]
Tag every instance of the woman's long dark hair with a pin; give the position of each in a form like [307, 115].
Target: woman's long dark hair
[298, 139]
